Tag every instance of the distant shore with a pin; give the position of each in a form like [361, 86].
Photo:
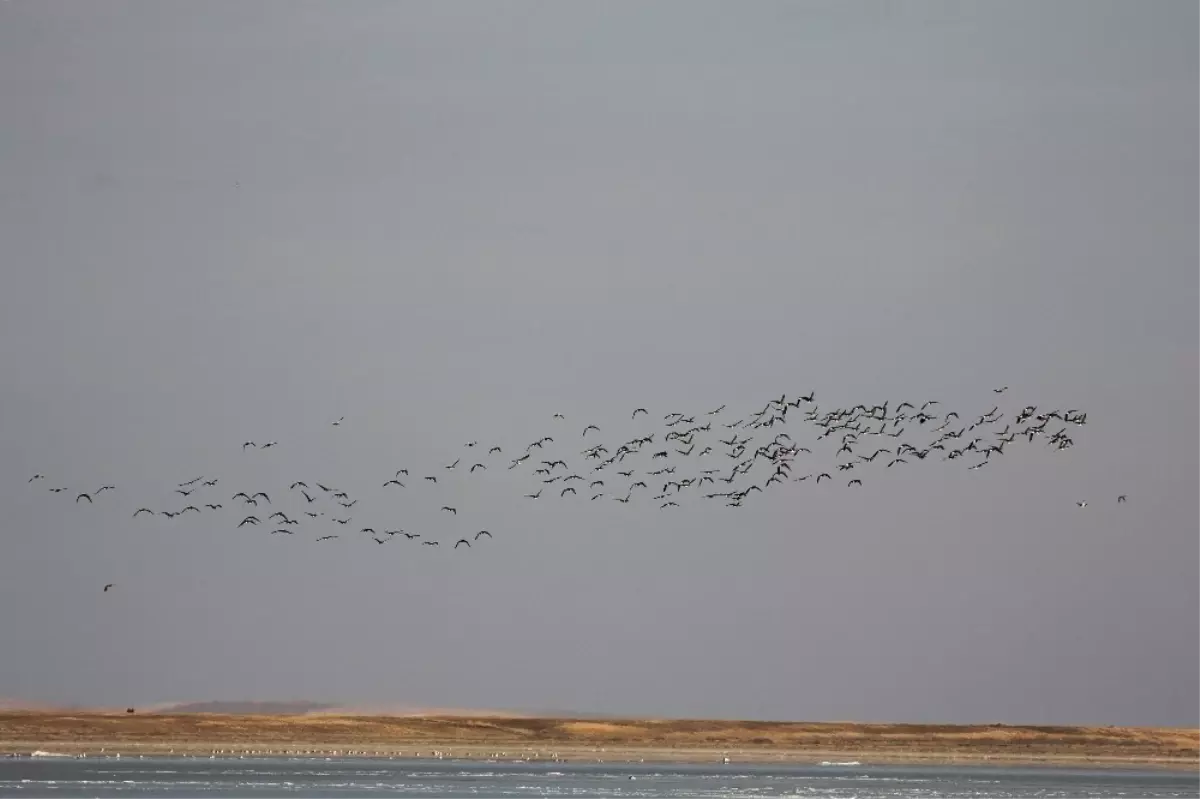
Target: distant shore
[609, 740]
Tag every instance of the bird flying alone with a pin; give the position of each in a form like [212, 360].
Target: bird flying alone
[108, 586]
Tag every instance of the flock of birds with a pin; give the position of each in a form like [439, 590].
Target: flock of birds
[706, 457]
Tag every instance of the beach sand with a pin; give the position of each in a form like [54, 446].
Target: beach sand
[610, 740]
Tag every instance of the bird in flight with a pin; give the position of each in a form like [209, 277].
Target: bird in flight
[450, 509]
[37, 477]
[339, 421]
[1000, 390]
[108, 586]
[1082, 503]
[482, 532]
[1121, 498]
[461, 541]
[142, 510]
[83, 496]
[636, 411]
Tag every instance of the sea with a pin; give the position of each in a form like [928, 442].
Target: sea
[28, 776]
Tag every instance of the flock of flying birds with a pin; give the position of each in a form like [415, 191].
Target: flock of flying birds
[706, 457]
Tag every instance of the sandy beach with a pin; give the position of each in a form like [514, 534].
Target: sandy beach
[610, 740]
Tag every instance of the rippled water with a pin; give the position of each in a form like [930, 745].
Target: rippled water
[304, 777]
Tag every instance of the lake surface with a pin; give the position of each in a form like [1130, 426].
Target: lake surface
[343, 777]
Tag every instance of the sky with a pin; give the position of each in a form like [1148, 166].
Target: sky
[225, 222]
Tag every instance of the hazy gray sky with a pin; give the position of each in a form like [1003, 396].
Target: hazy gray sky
[225, 221]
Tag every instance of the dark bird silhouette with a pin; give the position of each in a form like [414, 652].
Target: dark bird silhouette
[590, 427]
[455, 464]
[327, 538]
[429, 543]
[535, 496]
[300, 483]
[108, 586]
[184, 493]
[482, 532]
[493, 450]
[339, 421]
[636, 411]
[393, 482]
[1121, 498]
[478, 466]
[142, 510]
[83, 496]
[461, 541]
[999, 390]
[854, 482]
[248, 444]
[213, 507]
[431, 479]
[37, 477]
[248, 520]
[823, 474]
[450, 509]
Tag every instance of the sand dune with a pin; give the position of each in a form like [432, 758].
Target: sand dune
[577, 738]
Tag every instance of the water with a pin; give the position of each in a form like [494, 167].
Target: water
[313, 777]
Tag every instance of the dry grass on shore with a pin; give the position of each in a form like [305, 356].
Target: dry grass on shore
[481, 736]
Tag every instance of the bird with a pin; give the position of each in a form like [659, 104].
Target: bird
[37, 477]
[142, 510]
[461, 541]
[455, 464]
[590, 427]
[393, 482]
[327, 537]
[248, 444]
[535, 496]
[339, 421]
[83, 496]
[1082, 503]
[478, 466]
[636, 411]
[104, 488]
[482, 532]
[1000, 390]
[450, 509]
[854, 482]
[108, 586]
[1121, 498]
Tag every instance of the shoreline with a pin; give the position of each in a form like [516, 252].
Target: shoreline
[520, 739]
